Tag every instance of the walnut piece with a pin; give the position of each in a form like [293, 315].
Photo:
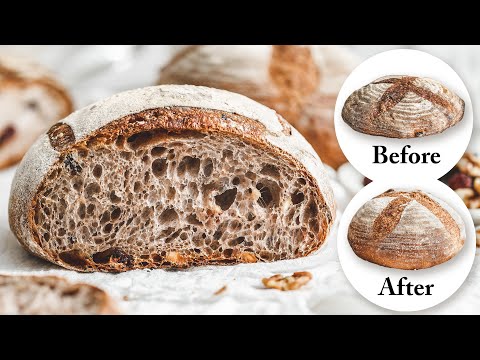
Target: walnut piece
[293, 282]
[220, 291]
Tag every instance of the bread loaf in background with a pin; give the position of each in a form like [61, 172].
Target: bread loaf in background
[51, 295]
[171, 176]
[398, 106]
[406, 230]
[31, 100]
[299, 82]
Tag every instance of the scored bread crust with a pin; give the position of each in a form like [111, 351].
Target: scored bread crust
[257, 124]
[398, 106]
[300, 82]
[406, 230]
[99, 302]
[18, 73]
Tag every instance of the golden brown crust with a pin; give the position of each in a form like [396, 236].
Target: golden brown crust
[176, 120]
[405, 230]
[290, 82]
[382, 108]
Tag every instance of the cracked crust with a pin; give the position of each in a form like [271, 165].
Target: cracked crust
[175, 109]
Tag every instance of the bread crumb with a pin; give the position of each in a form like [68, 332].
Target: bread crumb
[293, 282]
[220, 291]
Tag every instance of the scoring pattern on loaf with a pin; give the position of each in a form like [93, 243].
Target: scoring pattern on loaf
[406, 230]
[403, 107]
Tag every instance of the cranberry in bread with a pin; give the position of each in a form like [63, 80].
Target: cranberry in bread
[171, 176]
[406, 230]
[31, 100]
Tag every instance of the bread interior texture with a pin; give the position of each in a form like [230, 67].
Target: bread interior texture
[156, 198]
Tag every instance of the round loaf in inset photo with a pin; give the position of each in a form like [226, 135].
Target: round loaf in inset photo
[406, 230]
[171, 176]
[31, 100]
[403, 107]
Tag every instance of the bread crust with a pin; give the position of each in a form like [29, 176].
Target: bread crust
[403, 107]
[253, 122]
[406, 230]
[20, 73]
[104, 303]
[300, 82]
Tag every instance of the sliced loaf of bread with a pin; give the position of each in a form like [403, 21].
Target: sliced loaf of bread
[171, 176]
[51, 295]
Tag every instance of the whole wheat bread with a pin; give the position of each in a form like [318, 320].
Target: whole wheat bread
[171, 176]
[51, 295]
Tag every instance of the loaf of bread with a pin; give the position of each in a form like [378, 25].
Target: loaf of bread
[299, 82]
[51, 295]
[406, 230]
[31, 100]
[403, 107]
[171, 176]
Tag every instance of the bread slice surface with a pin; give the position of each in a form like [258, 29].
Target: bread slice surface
[171, 176]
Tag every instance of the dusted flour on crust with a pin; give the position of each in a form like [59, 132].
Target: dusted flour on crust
[202, 109]
[406, 230]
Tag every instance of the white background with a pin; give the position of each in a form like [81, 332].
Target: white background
[368, 278]
[451, 144]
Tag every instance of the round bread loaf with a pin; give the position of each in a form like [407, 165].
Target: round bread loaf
[406, 230]
[403, 107]
[299, 82]
[171, 176]
[31, 100]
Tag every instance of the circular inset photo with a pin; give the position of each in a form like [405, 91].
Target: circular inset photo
[406, 246]
[403, 113]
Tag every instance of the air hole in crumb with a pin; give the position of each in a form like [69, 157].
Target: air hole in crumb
[92, 189]
[105, 217]
[226, 199]
[169, 215]
[192, 219]
[265, 195]
[159, 167]
[158, 151]
[137, 186]
[302, 181]
[236, 241]
[116, 213]
[114, 198]
[270, 170]
[236, 181]
[189, 165]
[208, 167]
[250, 175]
[297, 197]
[97, 171]
[228, 252]
[81, 211]
[217, 235]
[90, 209]
[183, 236]
[251, 216]
[107, 228]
